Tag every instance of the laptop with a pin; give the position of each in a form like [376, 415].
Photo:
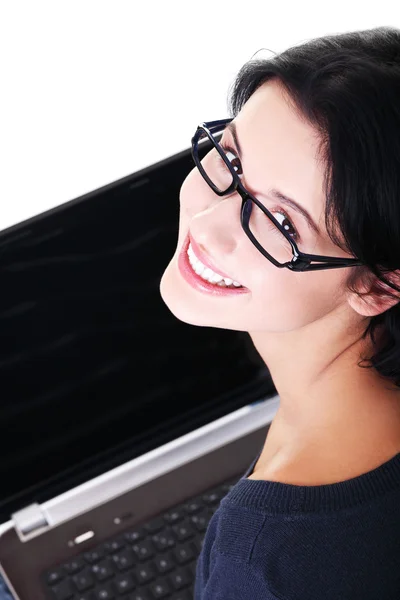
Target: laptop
[121, 426]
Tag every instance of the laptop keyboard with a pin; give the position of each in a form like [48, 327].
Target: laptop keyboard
[156, 559]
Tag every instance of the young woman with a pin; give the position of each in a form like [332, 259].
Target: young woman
[297, 206]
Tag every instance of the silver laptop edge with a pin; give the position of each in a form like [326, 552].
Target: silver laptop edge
[36, 519]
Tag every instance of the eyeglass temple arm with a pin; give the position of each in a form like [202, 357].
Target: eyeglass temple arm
[328, 262]
[310, 267]
[330, 259]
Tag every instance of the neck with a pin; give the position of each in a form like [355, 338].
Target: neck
[325, 396]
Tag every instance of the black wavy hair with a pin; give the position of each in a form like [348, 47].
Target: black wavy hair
[348, 87]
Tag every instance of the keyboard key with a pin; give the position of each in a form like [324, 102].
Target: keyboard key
[103, 570]
[133, 536]
[105, 592]
[139, 596]
[200, 520]
[185, 552]
[124, 583]
[164, 539]
[183, 595]
[145, 573]
[226, 488]
[114, 546]
[212, 497]
[74, 566]
[143, 550]
[198, 542]
[94, 556]
[154, 525]
[124, 560]
[164, 562]
[84, 580]
[184, 529]
[191, 590]
[173, 516]
[193, 506]
[63, 590]
[192, 567]
[160, 588]
[54, 576]
[180, 578]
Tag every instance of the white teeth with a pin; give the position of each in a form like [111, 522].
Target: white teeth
[206, 273]
[199, 268]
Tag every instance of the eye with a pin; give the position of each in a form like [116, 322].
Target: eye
[286, 223]
[235, 162]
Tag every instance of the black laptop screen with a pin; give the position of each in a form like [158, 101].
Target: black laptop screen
[94, 368]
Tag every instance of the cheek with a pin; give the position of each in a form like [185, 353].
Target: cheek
[285, 301]
[194, 195]
[186, 209]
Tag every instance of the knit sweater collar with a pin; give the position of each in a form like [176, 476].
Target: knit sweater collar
[282, 497]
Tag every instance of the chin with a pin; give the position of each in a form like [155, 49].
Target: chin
[171, 298]
[180, 308]
[181, 311]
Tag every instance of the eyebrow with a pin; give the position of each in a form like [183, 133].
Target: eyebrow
[273, 192]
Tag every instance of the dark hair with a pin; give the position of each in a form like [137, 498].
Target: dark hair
[348, 87]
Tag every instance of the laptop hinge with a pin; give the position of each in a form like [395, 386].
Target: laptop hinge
[30, 522]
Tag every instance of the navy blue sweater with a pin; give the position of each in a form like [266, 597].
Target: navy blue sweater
[274, 541]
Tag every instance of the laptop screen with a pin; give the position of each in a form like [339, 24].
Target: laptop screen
[94, 368]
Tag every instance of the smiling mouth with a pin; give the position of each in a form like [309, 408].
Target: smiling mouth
[187, 268]
[208, 274]
[203, 266]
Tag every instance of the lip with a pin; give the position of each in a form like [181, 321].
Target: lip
[198, 282]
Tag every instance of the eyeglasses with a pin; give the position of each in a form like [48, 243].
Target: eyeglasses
[269, 236]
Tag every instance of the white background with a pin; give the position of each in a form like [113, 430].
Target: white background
[92, 91]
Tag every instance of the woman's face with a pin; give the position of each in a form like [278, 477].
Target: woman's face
[279, 152]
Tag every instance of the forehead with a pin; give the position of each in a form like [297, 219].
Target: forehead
[280, 148]
[270, 111]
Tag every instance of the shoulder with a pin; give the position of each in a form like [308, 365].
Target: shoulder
[315, 468]
[350, 554]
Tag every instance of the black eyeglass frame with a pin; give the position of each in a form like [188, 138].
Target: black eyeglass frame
[300, 260]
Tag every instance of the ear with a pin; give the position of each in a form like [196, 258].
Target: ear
[376, 300]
